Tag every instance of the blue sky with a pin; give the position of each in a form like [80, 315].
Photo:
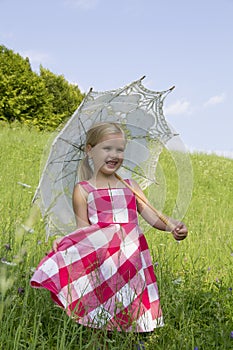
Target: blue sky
[106, 44]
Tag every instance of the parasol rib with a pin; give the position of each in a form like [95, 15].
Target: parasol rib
[163, 218]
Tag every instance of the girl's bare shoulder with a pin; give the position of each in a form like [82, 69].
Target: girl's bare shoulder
[79, 191]
[135, 184]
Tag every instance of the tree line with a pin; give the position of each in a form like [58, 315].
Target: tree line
[43, 100]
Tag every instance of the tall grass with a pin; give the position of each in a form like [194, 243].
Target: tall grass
[194, 277]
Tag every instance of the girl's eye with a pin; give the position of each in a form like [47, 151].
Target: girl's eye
[107, 148]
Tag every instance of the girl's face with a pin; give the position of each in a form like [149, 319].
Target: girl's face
[108, 154]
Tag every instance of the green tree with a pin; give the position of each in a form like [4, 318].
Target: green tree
[44, 100]
[23, 95]
[65, 97]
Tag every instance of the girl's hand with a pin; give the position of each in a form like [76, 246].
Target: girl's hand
[180, 231]
[56, 243]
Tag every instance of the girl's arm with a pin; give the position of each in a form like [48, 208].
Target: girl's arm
[80, 211]
[179, 232]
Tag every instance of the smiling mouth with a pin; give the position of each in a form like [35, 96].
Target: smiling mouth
[112, 163]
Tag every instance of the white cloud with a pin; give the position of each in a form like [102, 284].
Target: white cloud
[214, 100]
[179, 107]
[82, 4]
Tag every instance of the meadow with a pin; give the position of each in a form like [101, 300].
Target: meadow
[195, 277]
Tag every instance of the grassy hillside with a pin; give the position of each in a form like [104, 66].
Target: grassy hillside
[194, 276]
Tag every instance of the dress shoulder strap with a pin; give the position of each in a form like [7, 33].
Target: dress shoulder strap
[128, 181]
[87, 186]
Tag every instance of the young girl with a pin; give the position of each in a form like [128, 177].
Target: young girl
[102, 273]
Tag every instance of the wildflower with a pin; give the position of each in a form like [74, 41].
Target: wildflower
[140, 345]
[156, 264]
[231, 335]
[230, 289]
[20, 290]
[196, 348]
[4, 261]
[7, 246]
[177, 281]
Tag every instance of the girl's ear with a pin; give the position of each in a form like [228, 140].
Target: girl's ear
[88, 150]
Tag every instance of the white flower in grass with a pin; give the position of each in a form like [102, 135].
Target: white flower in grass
[24, 185]
[177, 281]
[10, 263]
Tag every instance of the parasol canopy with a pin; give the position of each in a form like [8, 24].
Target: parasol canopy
[139, 112]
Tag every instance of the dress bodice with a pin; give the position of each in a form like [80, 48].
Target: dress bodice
[110, 205]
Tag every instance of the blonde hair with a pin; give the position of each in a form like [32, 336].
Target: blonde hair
[94, 135]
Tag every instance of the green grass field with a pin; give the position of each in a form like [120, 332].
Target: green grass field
[195, 277]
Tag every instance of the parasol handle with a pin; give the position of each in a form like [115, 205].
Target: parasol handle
[163, 218]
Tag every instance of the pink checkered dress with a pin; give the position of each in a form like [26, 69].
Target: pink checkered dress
[102, 275]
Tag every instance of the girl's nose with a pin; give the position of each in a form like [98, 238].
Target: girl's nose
[113, 154]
